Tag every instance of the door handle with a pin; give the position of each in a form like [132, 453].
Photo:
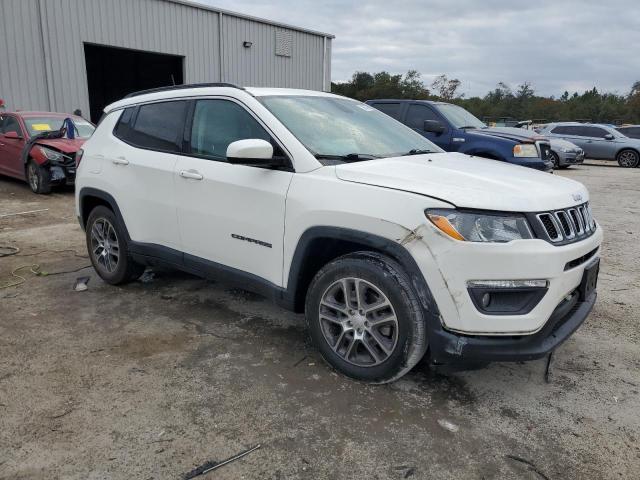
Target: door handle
[192, 174]
[120, 161]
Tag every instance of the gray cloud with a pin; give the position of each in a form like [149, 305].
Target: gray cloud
[554, 44]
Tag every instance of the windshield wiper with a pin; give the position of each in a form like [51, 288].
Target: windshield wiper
[468, 126]
[416, 151]
[349, 157]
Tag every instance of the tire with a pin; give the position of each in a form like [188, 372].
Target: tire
[108, 248]
[553, 156]
[628, 158]
[349, 341]
[38, 178]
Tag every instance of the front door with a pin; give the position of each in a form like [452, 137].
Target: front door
[415, 118]
[232, 215]
[11, 148]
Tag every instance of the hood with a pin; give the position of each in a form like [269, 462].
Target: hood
[508, 133]
[62, 144]
[469, 182]
[559, 144]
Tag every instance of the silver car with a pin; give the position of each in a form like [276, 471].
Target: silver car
[597, 141]
[564, 154]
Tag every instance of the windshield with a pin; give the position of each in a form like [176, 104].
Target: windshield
[340, 127]
[459, 117]
[37, 125]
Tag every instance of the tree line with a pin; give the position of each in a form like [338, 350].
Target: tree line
[500, 103]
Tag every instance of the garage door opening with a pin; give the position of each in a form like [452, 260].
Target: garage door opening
[113, 73]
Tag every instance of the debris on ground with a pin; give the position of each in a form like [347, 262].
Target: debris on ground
[4, 215]
[81, 284]
[447, 425]
[530, 464]
[147, 277]
[212, 464]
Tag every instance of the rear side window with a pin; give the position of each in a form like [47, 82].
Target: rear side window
[391, 109]
[217, 123]
[417, 114]
[568, 130]
[156, 126]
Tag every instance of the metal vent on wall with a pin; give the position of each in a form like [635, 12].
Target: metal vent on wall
[284, 43]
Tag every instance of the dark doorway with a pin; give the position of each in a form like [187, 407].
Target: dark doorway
[113, 73]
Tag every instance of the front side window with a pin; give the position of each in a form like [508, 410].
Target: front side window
[217, 123]
[459, 117]
[343, 128]
[158, 126]
[11, 125]
[417, 114]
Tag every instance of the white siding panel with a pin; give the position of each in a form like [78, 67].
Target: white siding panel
[42, 62]
[22, 75]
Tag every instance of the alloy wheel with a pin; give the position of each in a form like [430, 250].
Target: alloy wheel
[32, 175]
[628, 159]
[358, 322]
[104, 245]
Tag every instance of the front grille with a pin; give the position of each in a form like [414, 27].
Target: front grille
[545, 149]
[565, 226]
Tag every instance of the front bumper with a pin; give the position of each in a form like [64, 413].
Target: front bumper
[570, 158]
[62, 174]
[535, 163]
[448, 348]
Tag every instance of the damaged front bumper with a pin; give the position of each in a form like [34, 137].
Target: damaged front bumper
[62, 174]
[447, 348]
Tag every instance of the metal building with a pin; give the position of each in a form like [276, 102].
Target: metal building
[61, 55]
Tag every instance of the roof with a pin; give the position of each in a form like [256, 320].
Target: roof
[201, 6]
[204, 90]
[42, 114]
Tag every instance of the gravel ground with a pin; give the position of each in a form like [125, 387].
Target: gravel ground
[150, 380]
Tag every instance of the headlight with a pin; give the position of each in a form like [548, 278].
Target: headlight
[52, 155]
[480, 227]
[567, 150]
[525, 150]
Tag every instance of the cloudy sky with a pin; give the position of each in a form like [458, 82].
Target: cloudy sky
[556, 45]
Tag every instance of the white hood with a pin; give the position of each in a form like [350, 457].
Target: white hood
[469, 182]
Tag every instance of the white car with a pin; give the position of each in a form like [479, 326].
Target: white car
[392, 247]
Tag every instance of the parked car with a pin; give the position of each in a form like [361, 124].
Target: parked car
[564, 154]
[454, 129]
[390, 246]
[598, 141]
[40, 147]
[631, 131]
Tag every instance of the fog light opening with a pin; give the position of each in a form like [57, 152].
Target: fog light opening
[486, 300]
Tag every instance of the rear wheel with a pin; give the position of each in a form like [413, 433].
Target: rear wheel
[628, 158]
[108, 248]
[365, 318]
[38, 178]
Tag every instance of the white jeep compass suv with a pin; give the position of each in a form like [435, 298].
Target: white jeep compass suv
[390, 246]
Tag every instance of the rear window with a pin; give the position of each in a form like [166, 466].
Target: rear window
[391, 109]
[156, 126]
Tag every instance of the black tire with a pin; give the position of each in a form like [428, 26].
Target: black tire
[628, 158]
[553, 156]
[389, 278]
[38, 178]
[124, 269]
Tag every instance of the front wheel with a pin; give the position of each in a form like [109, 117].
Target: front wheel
[38, 178]
[628, 158]
[553, 156]
[365, 318]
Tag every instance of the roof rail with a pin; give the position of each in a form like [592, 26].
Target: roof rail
[181, 87]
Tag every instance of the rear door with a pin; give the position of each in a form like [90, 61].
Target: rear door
[139, 166]
[11, 148]
[415, 117]
[232, 215]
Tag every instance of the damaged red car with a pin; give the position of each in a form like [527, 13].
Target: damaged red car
[41, 147]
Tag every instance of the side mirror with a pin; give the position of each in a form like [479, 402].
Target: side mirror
[609, 136]
[13, 136]
[433, 126]
[253, 152]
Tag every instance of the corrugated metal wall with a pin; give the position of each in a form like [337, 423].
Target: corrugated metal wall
[22, 74]
[42, 63]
